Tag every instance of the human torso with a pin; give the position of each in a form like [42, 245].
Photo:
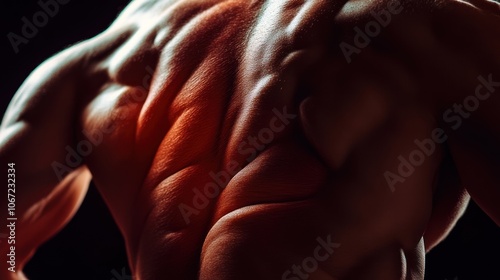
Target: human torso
[204, 164]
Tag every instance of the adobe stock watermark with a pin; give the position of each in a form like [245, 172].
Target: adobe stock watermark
[310, 264]
[30, 28]
[122, 275]
[372, 29]
[75, 156]
[453, 116]
[251, 147]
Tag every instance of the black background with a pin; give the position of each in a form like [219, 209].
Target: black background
[91, 247]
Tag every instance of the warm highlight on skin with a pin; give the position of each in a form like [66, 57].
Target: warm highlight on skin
[182, 94]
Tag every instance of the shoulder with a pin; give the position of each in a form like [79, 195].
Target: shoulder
[58, 79]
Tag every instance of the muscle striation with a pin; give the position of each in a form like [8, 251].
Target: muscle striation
[210, 162]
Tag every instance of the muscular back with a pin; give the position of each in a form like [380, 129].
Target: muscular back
[231, 138]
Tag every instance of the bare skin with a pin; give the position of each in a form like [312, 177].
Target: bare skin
[226, 137]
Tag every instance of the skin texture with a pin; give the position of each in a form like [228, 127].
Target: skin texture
[257, 100]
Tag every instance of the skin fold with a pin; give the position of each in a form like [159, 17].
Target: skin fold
[232, 139]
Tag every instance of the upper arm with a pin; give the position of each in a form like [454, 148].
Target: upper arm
[461, 77]
[472, 97]
[475, 146]
[37, 127]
